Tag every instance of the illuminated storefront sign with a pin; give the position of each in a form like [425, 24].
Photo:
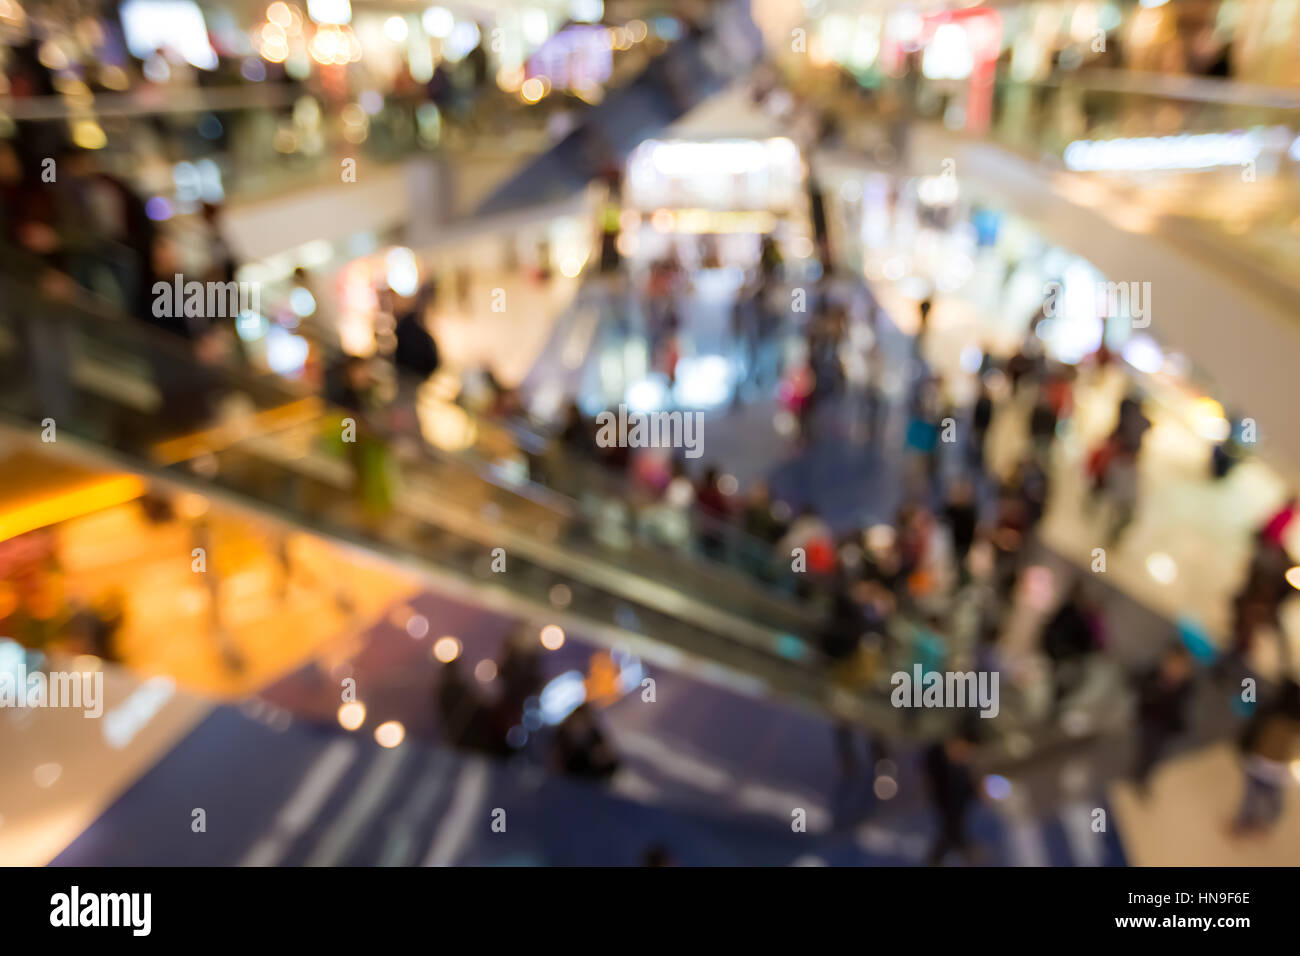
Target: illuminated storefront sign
[719, 174]
[576, 58]
[1187, 151]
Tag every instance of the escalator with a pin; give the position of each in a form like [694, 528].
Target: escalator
[684, 75]
[113, 389]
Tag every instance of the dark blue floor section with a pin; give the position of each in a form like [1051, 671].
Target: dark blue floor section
[717, 777]
[241, 772]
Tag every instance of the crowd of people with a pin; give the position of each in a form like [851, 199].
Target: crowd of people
[500, 722]
[72, 231]
[938, 583]
[935, 585]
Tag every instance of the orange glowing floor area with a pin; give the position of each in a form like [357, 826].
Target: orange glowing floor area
[221, 602]
[37, 492]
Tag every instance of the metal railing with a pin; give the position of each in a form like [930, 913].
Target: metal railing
[135, 396]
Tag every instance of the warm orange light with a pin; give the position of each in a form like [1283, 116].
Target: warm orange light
[278, 13]
[353, 44]
[279, 418]
[352, 715]
[89, 135]
[532, 90]
[390, 733]
[8, 599]
[191, 506]
[662, 220]
[510, 80]
[72, 503]
[327, 44]
[273, 53]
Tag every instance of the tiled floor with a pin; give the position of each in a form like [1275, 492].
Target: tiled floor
[1184, 821]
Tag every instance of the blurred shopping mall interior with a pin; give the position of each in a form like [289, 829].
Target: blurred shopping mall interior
[553, 432]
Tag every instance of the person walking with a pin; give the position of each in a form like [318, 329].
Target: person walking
[415, 356]
[1163, 697]
[981, 421]
[952, 790]
[1268, 746]
[1069, 639]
